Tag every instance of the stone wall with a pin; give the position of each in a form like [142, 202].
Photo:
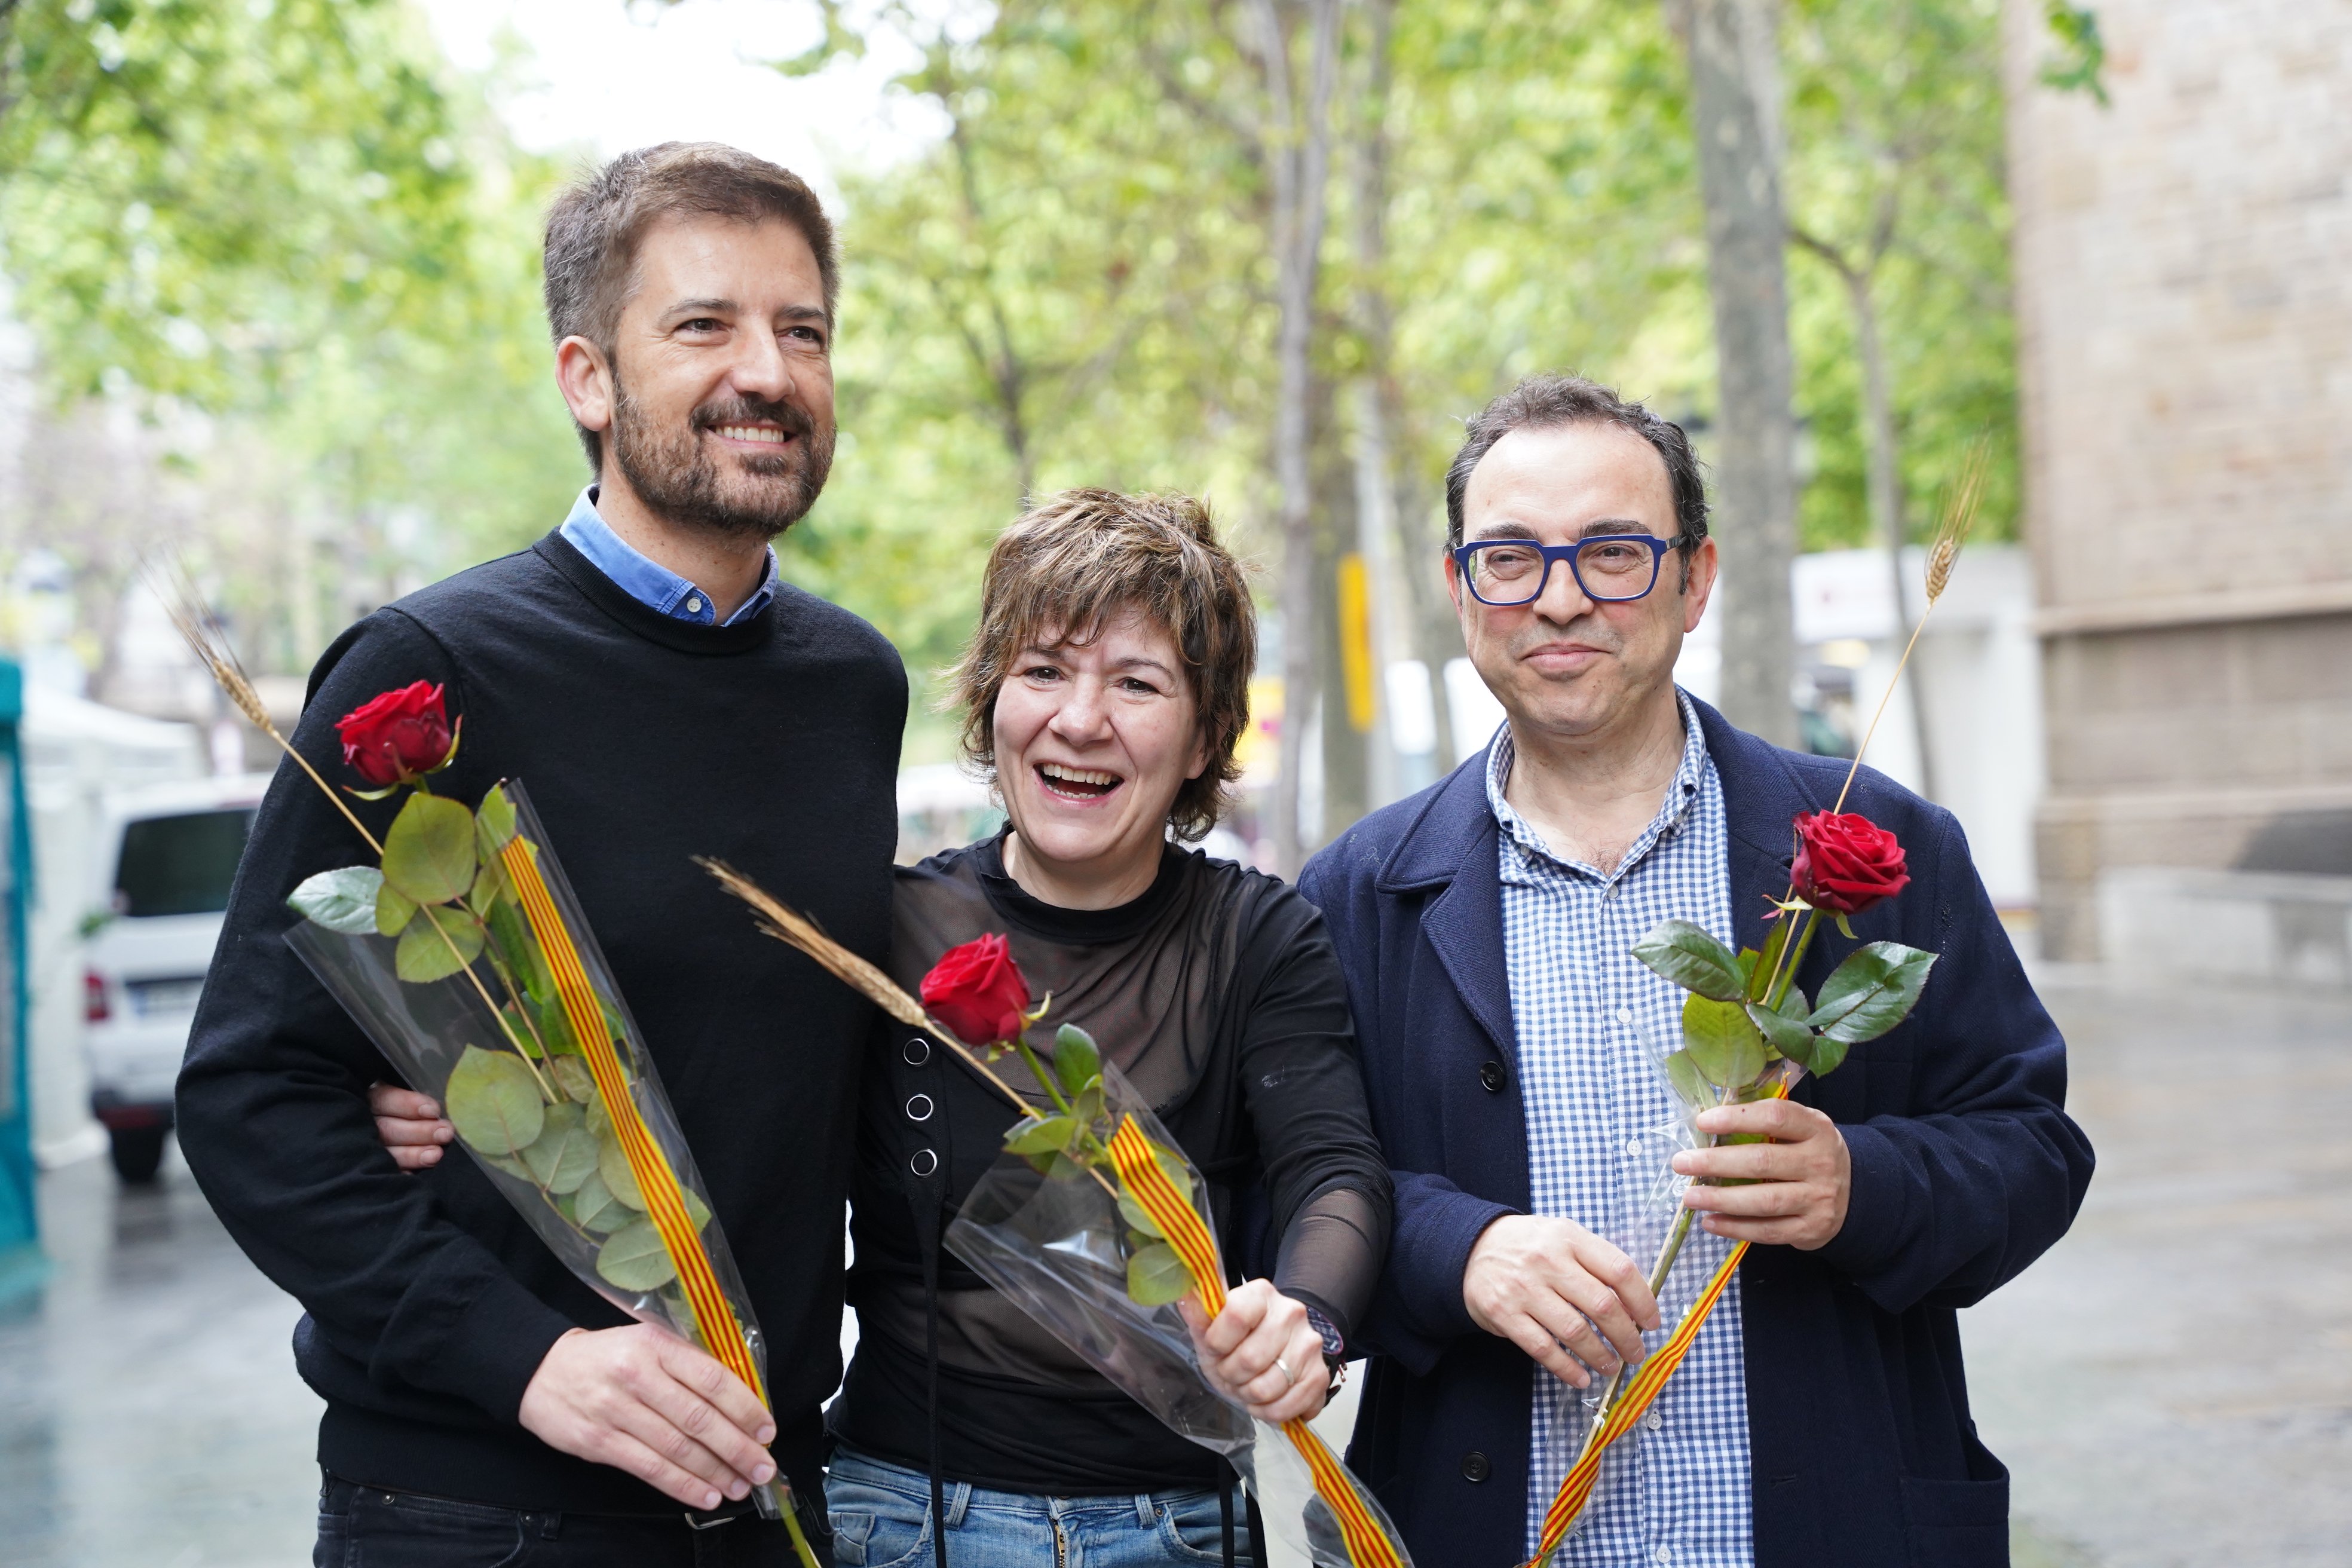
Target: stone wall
[2184, 291]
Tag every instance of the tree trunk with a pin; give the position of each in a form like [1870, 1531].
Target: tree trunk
[1299, 161]
[1735, 114]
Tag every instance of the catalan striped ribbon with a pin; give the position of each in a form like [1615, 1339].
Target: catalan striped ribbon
[656, 1183]
[1641, 1391]
[1367, 1544]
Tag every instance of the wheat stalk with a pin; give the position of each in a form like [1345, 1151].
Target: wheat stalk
[1943, 554]
[167, 578]
[796, 929]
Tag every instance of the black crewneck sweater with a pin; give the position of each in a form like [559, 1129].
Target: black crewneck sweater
[643, 741]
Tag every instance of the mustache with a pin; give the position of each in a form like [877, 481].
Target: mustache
[755, 411]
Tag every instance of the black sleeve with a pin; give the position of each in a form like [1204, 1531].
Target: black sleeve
[1325, 1178]
[272, 1101]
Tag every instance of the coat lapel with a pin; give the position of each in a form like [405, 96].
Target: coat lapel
[1452, 849]
[1761, 799]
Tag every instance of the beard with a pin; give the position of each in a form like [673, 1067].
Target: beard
[682, 480]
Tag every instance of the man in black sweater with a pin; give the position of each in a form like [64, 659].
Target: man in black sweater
[663, 695]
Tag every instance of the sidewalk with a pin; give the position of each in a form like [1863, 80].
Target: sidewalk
[2172, 1384]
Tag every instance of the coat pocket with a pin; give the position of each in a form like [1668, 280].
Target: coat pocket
[1956, 1524]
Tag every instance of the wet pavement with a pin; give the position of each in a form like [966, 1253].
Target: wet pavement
[150, 1416]
[2171, 1386]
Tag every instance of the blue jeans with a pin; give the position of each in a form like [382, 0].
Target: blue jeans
[882, 1519]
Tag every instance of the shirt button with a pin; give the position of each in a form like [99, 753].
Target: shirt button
[1615, 889]
[1624, 1015]
[923, 1162]
[1491, 1075]
[1663, 1554]
[1653, 1421]
[916, 1052]
[919, 1108]
[1634, 1146]
[694, 606]
[1474, 1467]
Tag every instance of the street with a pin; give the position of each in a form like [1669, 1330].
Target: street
[2172, 1386]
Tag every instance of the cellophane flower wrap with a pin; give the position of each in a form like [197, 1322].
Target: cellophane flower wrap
[467, 960]
[1096, 1224]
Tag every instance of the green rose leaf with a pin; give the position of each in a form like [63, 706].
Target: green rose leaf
[494, 821]
[612, 1164]
[696, 1210]
[1874, 990]
[565, 1153]
[1775, 942]
[1076, 1062]
[1684, 1075]
[594, 1208]
[1156, 1276]
[571, 1076]
[490, 882]
[635, 1260]
[508, 1163]
[1041, 1134]
[1693, 960]
[429, 853]
[423, 955]
[1720, 1042]
[1171, 1165]
[342, 900]
[393, 911]
[1785, 1030]
[521, 953]
[1828, 1052]
[1135, 1215]
[493, 1101]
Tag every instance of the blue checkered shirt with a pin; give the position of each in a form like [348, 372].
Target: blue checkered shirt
[1601, 1124]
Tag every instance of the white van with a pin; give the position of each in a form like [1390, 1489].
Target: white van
[171, 853]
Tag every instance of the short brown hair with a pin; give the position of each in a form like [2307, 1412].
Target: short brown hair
[1078, 558]
[596, 226]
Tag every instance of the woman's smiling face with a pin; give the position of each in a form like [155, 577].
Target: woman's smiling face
[1093, 741]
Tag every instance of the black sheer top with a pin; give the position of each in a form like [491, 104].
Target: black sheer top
[1218, 996]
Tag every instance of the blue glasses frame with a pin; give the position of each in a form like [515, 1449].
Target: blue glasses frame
[1465, 558]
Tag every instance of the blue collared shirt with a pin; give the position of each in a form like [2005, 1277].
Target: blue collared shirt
[647, 580]
[1601, 1127]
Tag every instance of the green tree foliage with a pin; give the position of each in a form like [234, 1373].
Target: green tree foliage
[289, 216]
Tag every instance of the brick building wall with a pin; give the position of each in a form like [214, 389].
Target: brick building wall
[2184, 292]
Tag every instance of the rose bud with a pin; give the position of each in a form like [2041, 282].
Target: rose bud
[977, 991]
[398, 737]
[1846, 863]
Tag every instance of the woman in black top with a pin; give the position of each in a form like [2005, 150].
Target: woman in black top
[1212, 987]
[1104, 689]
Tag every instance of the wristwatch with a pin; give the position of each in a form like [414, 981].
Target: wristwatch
[1334, 1351]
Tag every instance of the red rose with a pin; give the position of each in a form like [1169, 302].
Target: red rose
[1846, 864]
[977, 991]
[397, 737]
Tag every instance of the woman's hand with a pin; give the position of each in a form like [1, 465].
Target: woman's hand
[409, 1125]
[1262, 1351]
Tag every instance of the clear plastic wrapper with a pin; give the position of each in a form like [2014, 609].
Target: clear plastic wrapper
[498, 1003]
[1098, 1249]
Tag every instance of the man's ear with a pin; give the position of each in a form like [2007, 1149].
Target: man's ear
[586, 378]
[1698, 583]
[1453, 581]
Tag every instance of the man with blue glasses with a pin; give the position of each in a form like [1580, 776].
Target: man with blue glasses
[1485, 928]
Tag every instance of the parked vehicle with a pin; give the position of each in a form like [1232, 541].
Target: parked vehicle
[172, 851]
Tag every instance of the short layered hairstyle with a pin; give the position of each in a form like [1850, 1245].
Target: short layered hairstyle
[596, 226]
[1077, 559]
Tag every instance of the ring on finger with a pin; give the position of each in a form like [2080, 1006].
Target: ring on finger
[1289, 1377]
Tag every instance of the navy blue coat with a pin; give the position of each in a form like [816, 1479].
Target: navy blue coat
[1966, 1168]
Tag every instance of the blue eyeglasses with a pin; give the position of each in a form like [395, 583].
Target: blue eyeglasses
[1611, 568]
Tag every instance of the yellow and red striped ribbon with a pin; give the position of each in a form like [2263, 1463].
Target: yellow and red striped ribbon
[1640, 1391]
[657, 1183]
[1367, 1544]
